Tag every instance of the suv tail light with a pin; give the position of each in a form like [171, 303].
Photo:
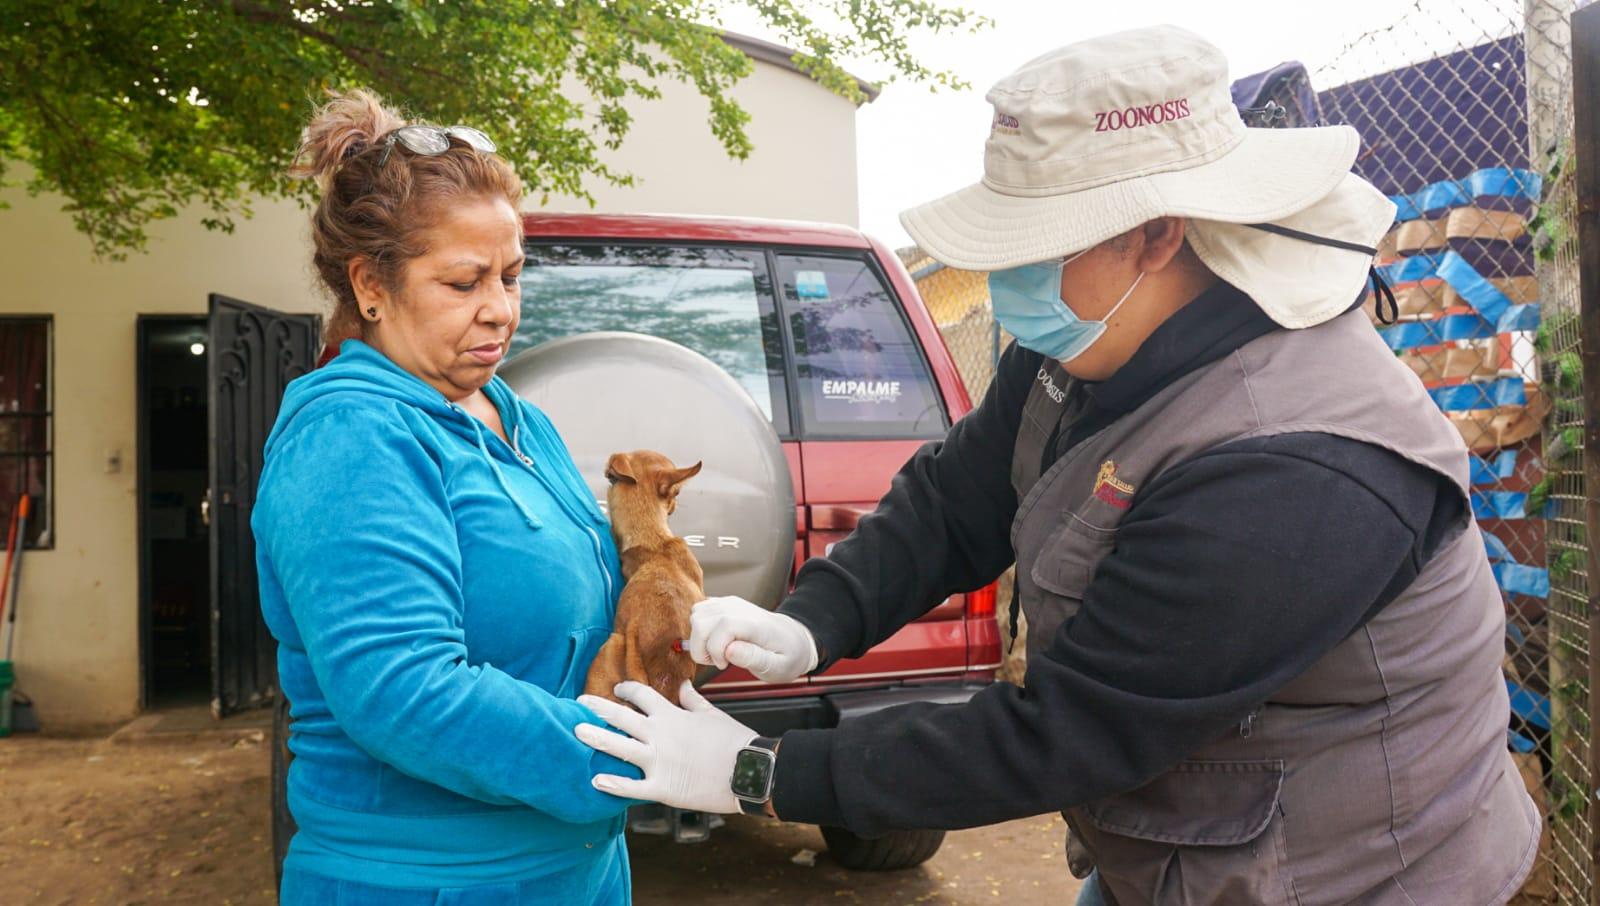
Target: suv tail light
[981, 603]
[983, 634]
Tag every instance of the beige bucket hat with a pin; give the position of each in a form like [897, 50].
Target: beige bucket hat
[1093, 139]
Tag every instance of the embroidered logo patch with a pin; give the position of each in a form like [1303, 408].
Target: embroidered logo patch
[1109, 488]
[1005, 124]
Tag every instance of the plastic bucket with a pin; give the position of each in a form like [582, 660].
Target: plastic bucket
[7, 678]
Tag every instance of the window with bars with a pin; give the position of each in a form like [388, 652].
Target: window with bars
[25, 428]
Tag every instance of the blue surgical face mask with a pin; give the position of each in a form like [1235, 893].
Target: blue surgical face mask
[1027, 303]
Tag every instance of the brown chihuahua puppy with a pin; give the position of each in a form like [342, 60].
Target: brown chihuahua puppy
[663, 579]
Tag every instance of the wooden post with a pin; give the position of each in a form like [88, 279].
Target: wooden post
[1547, 61]
[1586, 182]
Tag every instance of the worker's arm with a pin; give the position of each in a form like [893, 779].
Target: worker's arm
[1231, 575]
[943, 527]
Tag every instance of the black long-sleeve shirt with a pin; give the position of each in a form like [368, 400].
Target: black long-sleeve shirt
[1232, 574]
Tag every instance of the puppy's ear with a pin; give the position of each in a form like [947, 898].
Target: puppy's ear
[618, 468]
[671, 481]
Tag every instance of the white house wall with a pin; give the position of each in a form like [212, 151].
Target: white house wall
[803, 166]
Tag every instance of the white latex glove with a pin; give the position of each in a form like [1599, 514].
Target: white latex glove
[686, 754]
[731, 630]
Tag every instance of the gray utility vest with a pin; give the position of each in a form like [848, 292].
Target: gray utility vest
[1381, 774]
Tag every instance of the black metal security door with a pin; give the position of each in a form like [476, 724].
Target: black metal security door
[255, 352]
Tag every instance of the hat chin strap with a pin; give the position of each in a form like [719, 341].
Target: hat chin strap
[1312, 238]
[1380, 286]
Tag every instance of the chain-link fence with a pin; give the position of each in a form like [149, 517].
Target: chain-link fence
[1465, 113]
[1567, 773]
[1468, 141]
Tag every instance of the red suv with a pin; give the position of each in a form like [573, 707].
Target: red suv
[823, 329]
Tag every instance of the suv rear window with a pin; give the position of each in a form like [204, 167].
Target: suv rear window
[716, 301]
[861, 371]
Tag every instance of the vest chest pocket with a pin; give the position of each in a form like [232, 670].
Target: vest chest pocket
[1066, 560]
[1203, 832]
[1052, 588]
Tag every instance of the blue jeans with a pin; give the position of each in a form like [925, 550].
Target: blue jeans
[1089, 894]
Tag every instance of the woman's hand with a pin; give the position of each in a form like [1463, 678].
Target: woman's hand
[774, 647]
[686, 754]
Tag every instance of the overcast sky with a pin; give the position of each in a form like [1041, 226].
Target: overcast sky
[914, 146]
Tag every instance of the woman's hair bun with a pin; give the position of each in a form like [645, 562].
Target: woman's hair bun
[346, 124]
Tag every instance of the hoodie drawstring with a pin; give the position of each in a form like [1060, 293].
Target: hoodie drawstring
[532, 520]
[499, 476]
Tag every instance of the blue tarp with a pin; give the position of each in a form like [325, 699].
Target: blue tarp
[1506, 505]
[1491, 182]
[1449, 266]
[1486, 395]
[1434, 331]
[1487, 471]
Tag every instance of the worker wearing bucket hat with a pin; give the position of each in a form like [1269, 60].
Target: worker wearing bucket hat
[1264, 640]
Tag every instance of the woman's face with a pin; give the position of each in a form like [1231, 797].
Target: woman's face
[458, 304]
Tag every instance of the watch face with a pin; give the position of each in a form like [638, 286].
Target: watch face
[752, 774]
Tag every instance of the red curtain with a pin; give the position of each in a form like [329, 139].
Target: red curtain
[24, 364]
[24, 418]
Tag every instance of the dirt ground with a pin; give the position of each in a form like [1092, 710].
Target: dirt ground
[186, 821]
[93, 822]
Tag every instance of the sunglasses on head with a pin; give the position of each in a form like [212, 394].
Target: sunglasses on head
[430, 141]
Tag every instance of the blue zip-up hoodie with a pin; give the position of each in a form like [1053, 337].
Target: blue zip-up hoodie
[437, 596]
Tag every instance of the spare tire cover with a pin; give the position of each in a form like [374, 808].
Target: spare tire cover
[612, 392]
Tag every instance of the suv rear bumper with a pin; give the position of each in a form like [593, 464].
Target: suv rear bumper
[772, 717]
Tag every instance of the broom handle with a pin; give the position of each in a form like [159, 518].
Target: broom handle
[11, 551]
[16, 574]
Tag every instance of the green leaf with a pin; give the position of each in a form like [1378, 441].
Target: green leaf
[1563, 563]
[1538, 495]
[1572, 804]
[1567, 408]
[1573, 438]
[1569, 372]
[101, 100]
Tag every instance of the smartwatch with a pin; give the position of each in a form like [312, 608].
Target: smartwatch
[753, 769]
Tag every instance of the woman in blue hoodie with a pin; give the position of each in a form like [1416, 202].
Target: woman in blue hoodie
[434, 569]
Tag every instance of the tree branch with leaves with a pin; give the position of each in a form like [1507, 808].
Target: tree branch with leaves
[134, 109]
